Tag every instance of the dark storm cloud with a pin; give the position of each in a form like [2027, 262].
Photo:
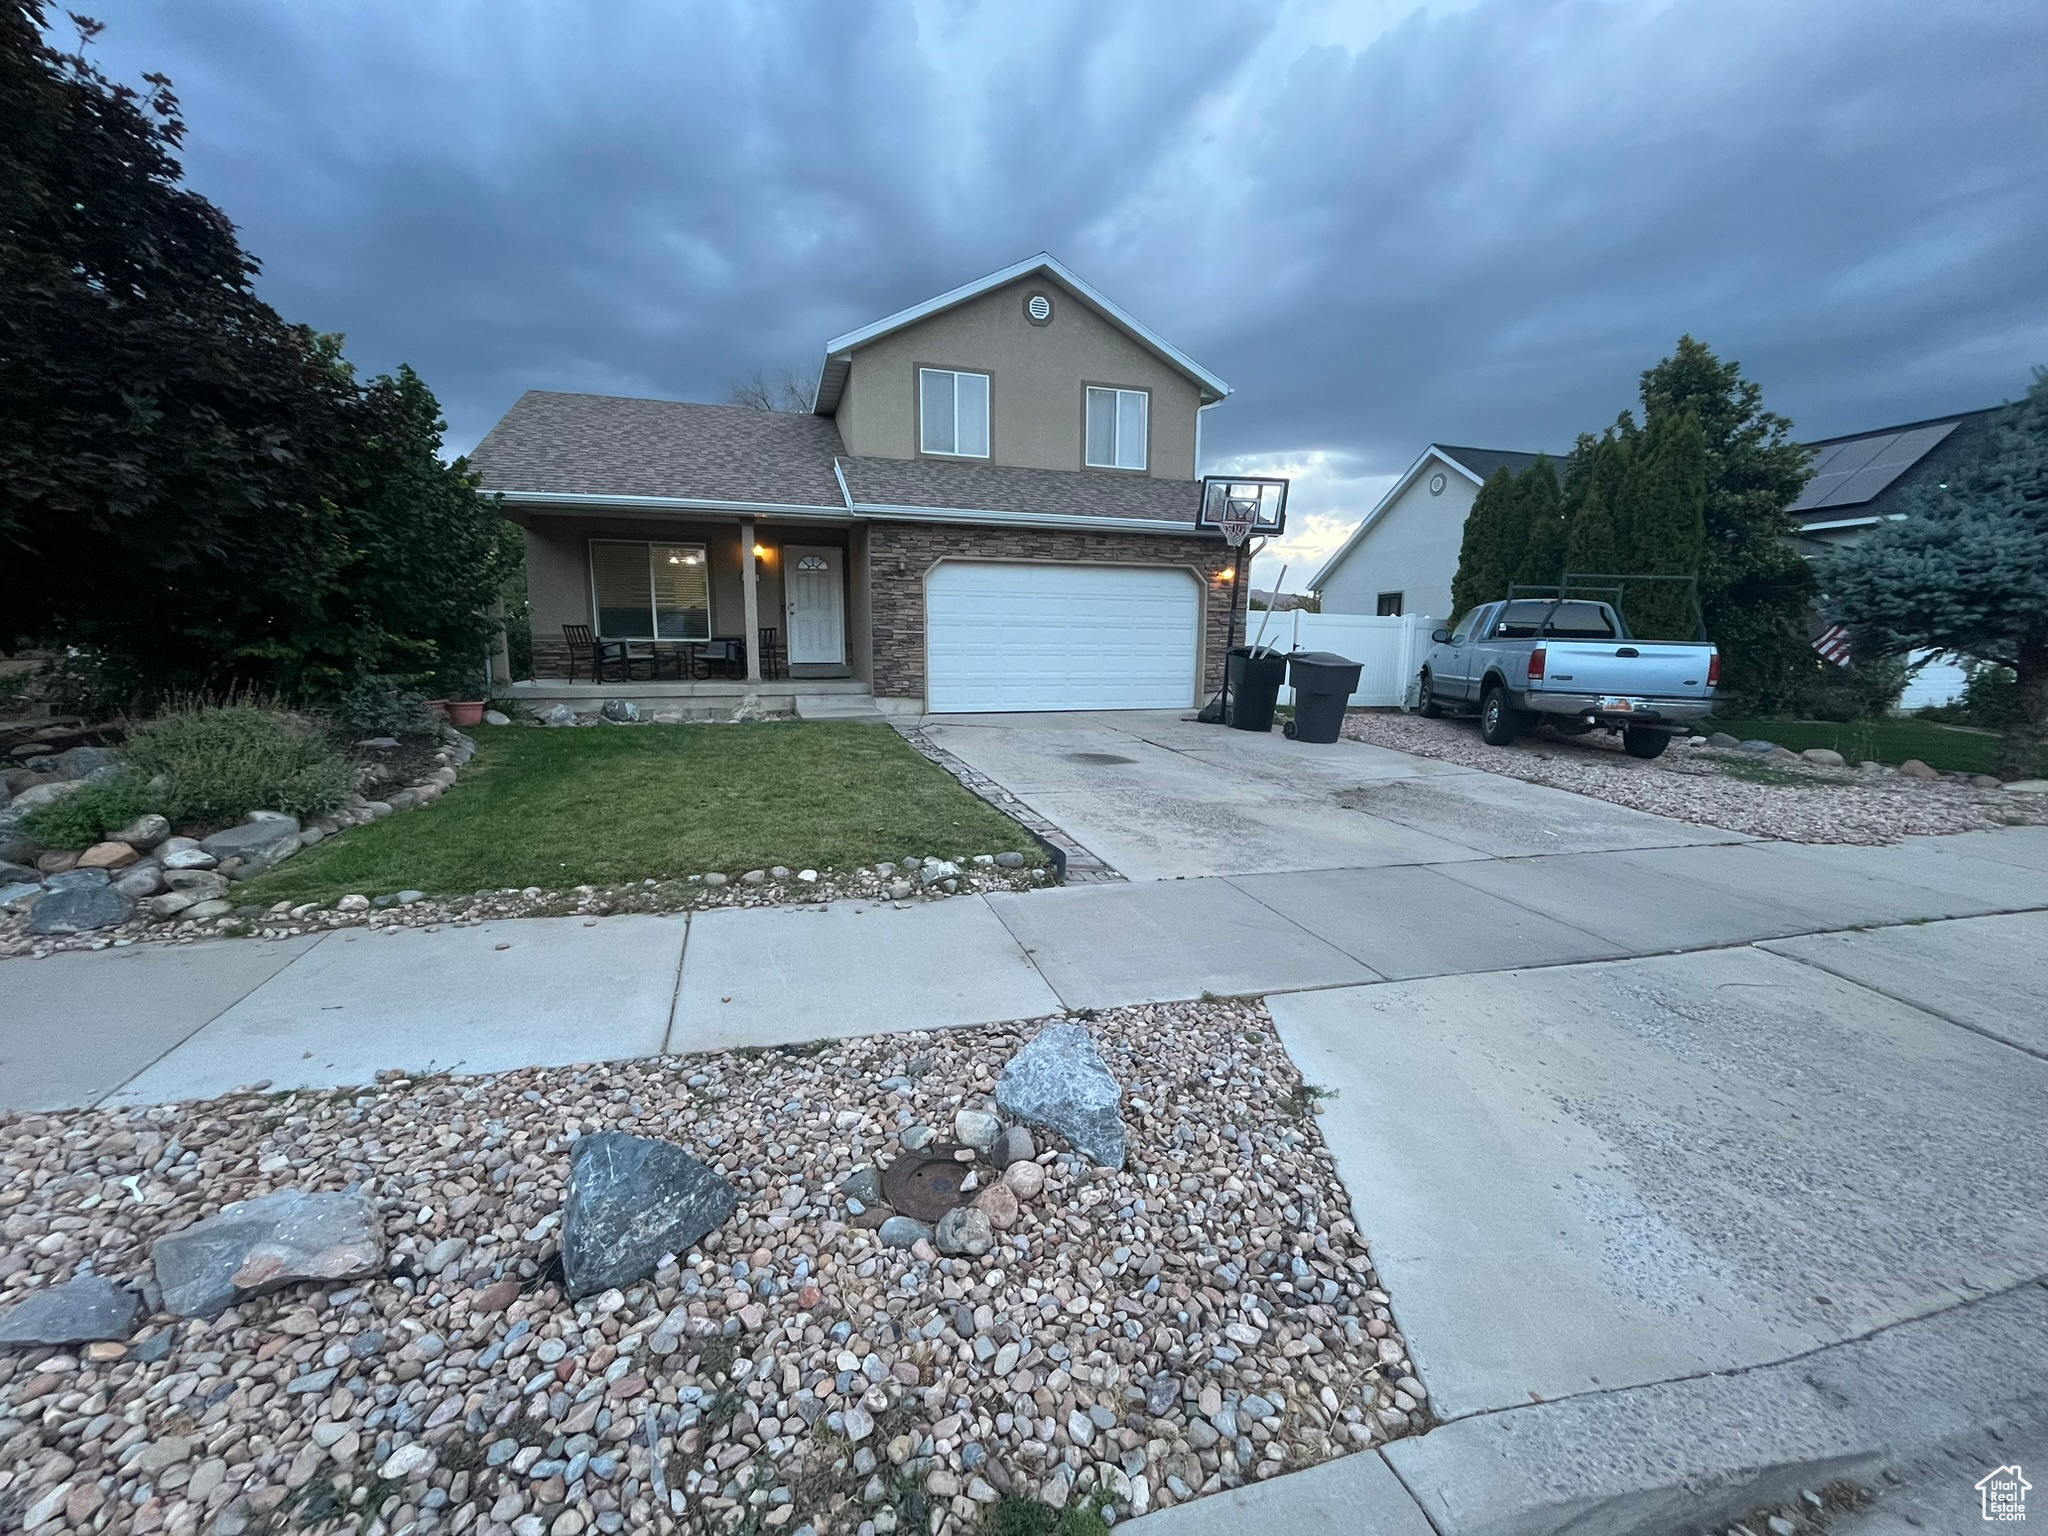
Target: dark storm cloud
[1476, 225]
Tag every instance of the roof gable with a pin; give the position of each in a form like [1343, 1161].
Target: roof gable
[840, 349]
[1475, 464]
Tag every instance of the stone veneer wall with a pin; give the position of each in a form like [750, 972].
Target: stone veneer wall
[899, 555]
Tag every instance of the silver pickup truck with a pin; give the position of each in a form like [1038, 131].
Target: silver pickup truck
[1571, 665]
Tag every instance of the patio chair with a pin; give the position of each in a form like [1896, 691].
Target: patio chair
[773, 664]
[583, 647]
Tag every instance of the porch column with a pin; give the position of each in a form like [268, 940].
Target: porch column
[501, 647]
[750, 591]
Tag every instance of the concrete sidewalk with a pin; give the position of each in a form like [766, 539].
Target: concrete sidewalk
[154, 1023]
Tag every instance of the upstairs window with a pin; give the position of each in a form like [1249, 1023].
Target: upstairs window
[952, 412]
[1390, 605]
[1116, 428]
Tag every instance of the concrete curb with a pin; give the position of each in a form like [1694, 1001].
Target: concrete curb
[1675, 1455]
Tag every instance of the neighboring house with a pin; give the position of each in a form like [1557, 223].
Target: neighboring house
[992, 506]
[1861, 480]
[1402, 557]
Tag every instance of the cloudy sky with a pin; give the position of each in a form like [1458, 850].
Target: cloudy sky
[1384, 223]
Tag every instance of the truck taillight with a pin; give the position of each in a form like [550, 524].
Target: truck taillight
[1536, 660]
[1713, 669]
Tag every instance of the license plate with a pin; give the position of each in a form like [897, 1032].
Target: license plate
[1618, 706]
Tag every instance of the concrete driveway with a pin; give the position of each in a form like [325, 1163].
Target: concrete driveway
[1159, 797]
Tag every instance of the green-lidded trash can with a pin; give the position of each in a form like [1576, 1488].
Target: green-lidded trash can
[1255, 679]
[1323, 683]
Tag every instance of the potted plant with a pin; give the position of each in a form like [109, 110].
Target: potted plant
[463, 712]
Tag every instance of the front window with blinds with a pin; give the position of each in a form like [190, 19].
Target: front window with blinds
[650, 591]
[1116, 428]
[952, 412]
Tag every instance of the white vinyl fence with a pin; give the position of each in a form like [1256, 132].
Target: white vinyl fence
[1390, 651]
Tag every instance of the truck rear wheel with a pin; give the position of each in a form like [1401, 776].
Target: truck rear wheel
[1639, 741]
[1499, 721]
[1428, 708]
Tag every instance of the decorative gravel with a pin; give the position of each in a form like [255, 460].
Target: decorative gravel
[788, 887]
[1699, 784]
[1207, 1316]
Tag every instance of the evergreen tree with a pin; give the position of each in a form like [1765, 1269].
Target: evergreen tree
[1665, 493]
[1483, 571]
[1966, 570]
[1543, 547]
[1591, 546]
[1755, 590]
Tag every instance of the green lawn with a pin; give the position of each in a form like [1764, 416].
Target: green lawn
[1952, 747]
[603, 806]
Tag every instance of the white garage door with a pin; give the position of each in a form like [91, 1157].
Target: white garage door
[1029, 636]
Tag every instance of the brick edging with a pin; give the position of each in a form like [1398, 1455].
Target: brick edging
[1081, 866]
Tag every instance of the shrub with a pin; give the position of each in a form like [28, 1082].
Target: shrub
[220, 762]
[87, 815]
[377, 707]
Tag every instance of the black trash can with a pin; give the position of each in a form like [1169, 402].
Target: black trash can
[1255, 679]
[1323, 683]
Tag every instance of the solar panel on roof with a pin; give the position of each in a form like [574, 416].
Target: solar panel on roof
[1850, 473]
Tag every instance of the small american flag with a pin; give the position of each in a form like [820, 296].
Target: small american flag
[1833, 643]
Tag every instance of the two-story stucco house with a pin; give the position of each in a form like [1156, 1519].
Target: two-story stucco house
[994, 504]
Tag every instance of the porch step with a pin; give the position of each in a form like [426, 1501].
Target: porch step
[858, 706]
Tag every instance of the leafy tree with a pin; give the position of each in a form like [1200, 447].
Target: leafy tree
[1483, 563]
[1755, 591]
[1590, 546]
[192, 489]
[1966, 570]
[1543, 545]
[1665, 493]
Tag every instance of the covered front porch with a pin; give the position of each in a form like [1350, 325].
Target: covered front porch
[692, 610]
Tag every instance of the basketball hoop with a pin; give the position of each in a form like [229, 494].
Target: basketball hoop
[1240, 516]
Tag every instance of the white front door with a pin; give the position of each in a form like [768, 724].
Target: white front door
[814, 600]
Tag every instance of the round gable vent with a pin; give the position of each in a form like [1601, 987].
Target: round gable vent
[1436, 484]
[1038, 309]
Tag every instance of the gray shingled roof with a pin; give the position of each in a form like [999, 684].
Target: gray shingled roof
[1003, 488]
[1864, 474]
[1484, 461]
[606, 445]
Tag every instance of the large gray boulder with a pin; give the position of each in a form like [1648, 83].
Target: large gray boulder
[40, 795]
[12, 873]
[257, 845]
[265, 1244]
[81, 1311]
[1061, 1082]
[80, 908]
[632, 1200]
[78, 762]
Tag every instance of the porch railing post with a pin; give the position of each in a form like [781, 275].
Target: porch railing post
[750, 600]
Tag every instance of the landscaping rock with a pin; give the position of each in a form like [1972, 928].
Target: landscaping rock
[864, 1185]
[171, 904]
[904, 1232]
[194, 857]
[86, 1310]
[20, 895]
[1061, 1082]
[1013, 1146]
[1757, 744]
[78, 762]
[631, 1201]
[620, 711]
[561, 714]
[1724, 741]
[108, 855]
[1987, 781]
[260, 1245]
[81, 908]
[257, 844]
[200, 884]
[56, 861]
[205, 911]
[936, 870]
[2027, 787]
[1009, 859]
[1025, 1180]
[1913, 768]
[40, 795]
[1824, 757]
[976, 1128]
[964, 1230]
[12, 873]
[144, 832]
[496, 717]
[1781, 755]
[140, 880]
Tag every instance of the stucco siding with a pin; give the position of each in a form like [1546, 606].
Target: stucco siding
[1037, 375]
[1411, 548]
